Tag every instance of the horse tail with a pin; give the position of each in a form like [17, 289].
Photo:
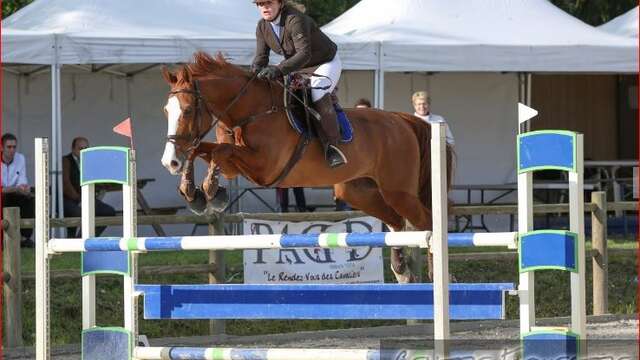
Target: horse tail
[423, 135]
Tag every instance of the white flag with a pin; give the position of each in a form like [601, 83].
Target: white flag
[525, 113]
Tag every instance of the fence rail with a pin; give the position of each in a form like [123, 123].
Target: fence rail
[462, 210]
[12, 276]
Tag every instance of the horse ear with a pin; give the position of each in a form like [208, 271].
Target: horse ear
[185, 75]
[169, 76]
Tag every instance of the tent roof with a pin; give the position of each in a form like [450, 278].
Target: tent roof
[484, 35]
[141, 31]
[624, 25]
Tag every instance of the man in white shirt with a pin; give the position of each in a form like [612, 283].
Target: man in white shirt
[422, 103]
[16, 191]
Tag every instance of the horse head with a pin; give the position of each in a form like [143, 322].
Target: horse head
[202, 95]
[186, 124]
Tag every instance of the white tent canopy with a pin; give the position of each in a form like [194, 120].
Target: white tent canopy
[624, 25]
[484, 35]
[147, 31]
[142, 31]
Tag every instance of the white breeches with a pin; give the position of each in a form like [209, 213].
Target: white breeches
[332, 71]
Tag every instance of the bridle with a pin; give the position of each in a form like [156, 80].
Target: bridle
[201, 103]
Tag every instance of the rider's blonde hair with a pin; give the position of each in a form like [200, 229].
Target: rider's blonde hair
[420, 95]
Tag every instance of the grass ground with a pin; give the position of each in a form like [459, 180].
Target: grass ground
[552, 295]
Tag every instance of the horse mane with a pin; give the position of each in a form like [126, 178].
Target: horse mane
[205, 65]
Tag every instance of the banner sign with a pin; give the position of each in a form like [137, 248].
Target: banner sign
[313, 265]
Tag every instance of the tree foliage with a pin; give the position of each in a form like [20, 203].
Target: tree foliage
[595, 12]
[11, 6]
[323, 11]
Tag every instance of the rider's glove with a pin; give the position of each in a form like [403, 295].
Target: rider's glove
[255, 69]
[270, 73]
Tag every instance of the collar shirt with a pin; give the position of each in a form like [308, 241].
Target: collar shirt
[275, 25]
[15, 173]
[432, 119]
[76, 159]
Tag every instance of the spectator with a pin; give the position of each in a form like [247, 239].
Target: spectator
[422, 105]
[282, 197]
[71, 187]
[16, 191]
[362, 103]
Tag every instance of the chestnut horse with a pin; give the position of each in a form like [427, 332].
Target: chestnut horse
[388, 171]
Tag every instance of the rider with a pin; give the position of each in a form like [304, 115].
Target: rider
[290, 33]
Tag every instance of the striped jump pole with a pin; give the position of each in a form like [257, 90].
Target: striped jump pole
[150, 353]
[277, 241]
[190, 353]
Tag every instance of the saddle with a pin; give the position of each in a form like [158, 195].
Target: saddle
[300, 113]
[297, 101]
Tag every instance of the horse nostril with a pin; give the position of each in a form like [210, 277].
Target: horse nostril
[175, 164]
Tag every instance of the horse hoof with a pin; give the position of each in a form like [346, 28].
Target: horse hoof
[199, 204]
[405, 277]
[220, 200]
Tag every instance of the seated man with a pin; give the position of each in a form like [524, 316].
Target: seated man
[16, 191]
[71, 187]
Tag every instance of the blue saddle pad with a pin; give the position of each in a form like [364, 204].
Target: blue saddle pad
[346, 130]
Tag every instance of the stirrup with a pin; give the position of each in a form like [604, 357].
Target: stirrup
[334, 156]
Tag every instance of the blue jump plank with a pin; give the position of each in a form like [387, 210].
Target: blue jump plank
[547, 149]
[550, 345]
[111, 343]
[104, 164]
[319, 301]
[111, 262]
[548, 249]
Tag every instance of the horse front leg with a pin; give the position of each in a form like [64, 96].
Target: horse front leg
[215, 194]
[194, 197]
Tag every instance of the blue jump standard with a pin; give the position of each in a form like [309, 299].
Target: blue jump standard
[319, 301]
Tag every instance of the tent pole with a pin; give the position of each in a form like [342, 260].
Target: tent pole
[376, 86]
[380, 104]
[522, 128]
[376, 78]
[528, 99]
[56, 135]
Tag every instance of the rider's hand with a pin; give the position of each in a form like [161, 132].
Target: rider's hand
[24, 189]
[255, 69]
[271, 72]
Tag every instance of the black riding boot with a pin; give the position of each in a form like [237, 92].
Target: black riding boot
[329, 132]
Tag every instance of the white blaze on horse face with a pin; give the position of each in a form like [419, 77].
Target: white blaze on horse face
[170, 159]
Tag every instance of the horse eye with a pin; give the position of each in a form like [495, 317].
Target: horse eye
[187, 111]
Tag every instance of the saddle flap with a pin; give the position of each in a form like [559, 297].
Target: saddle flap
[297, 101]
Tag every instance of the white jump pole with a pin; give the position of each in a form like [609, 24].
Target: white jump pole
[439, 242]
[576, 221]
[526, 279]
[88, 281]
[42, 252]
[129, 230]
